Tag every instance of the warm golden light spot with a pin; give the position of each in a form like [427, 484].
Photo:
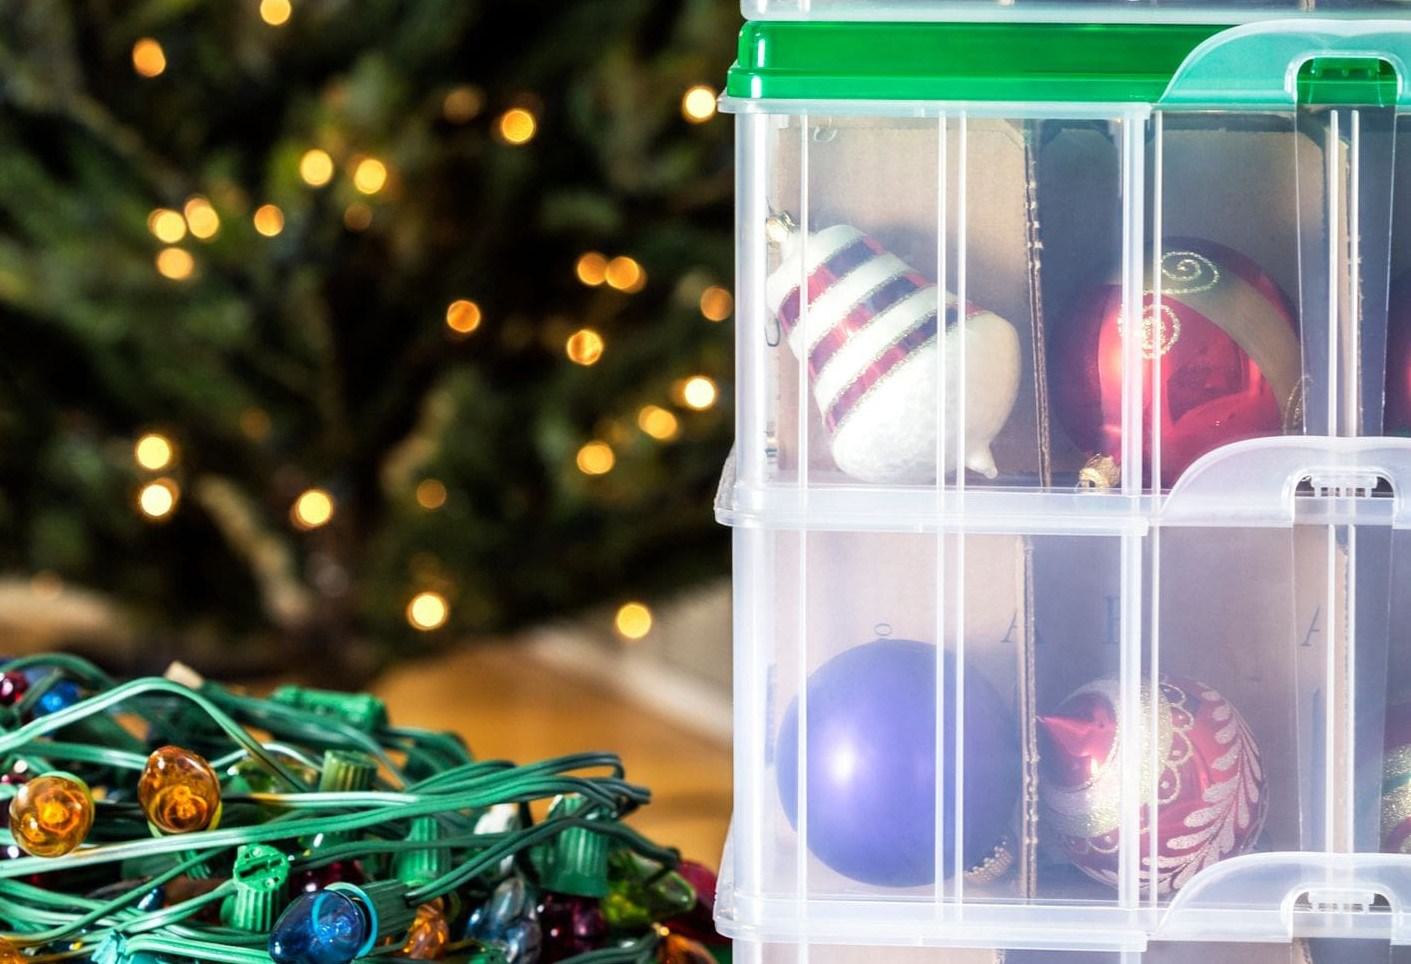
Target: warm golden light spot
[591, 269]
[463, 316]
[717, 303]
[658, 422]
[431, 494]
[153, 452]
[158, 499]
[462, 104]
[427, 611]
[201, 218]
[698, 104]
[698, 392]
[175, 263]
[357, 216]
[316, 167]
[584, 346]
[370, 175]
[167, 225]
[596, 458]
[269, 220]
[517, 126]
[148, 57]
[312, 509]
[624, 274]
[633, 621]
[276, 13]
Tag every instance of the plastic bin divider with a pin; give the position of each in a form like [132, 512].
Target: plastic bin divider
[941, 402]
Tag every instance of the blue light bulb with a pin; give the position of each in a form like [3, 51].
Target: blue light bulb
[60, 696]
[326, 927]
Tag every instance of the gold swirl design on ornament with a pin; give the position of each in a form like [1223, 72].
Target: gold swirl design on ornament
[1157, 337]
[1187, 272]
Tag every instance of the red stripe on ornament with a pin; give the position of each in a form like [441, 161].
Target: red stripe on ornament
[867, 379]
[883, 299]
[853, 255]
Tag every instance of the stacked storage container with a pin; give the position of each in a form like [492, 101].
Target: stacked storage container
[1072, 485]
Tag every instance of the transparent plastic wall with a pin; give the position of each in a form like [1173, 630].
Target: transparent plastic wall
[1299, 952]
[1053, 630]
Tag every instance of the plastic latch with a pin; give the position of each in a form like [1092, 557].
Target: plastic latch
[1343, 483]
[1361, 81]
[1337, 901]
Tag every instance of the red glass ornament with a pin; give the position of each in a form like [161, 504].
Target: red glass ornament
[317, 878]
[12, 687]
[1397, 420]
[570, 925]
[699, 922]
[1209, 790]
[1230, 366]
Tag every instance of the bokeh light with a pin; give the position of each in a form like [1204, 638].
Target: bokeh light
[316, 167]
[517, 126]
[357, 216]
[596, 458]
[427, 611]
[158, 499]
[153, 452]
[698, 392]
[269, 220]
[463, 316]
[370, 175]
[201, 218]
[175, 263]
[698, 104]
[657, 422]
[633, 621]
[717, 303]
[462, 104]
[166, 225]
[431, 493]
[584, 346]
[148, 57]
[591, 269]
[625, 274]
[276, 13]
[313, 508]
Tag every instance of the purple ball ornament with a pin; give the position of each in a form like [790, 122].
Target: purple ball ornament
[872, 765]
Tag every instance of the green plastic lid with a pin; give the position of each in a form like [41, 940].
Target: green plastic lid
[1172, 64]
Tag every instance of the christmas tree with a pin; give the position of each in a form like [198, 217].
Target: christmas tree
[326, 322]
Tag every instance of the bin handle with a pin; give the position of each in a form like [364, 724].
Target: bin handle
[1255, 65]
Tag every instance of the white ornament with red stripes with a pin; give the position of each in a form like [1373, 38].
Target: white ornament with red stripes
[868, 336]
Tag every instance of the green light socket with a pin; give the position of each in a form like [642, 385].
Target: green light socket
[260, 875]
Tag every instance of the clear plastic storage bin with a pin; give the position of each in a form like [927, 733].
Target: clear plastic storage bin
[1057, 630]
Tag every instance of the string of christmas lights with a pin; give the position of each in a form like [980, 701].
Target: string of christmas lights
[172, 818]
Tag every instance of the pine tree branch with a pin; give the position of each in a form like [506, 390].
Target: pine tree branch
[286, 600]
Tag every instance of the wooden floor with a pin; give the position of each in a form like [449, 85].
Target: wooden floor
[509, 707]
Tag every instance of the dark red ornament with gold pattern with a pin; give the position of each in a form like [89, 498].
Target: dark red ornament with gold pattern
[1396, 780]
[1226, 342]
[1208, 789]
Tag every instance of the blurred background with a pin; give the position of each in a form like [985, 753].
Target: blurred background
[380, 344]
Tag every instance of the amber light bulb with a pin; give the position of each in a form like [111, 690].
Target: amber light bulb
[9, 953]
[51, 815]
[429, 934]
[179, 791]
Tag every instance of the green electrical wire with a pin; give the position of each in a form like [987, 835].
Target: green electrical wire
[419, 774]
